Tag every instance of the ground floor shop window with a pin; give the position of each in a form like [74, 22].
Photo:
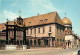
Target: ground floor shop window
[34, 42]
[45, 42]
[27, 42]
[30, 42]
[39, 42]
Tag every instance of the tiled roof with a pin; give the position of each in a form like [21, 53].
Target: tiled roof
[52, 17]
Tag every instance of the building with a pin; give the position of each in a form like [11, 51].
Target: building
[71, 39]
[48, 30]
[41, 30]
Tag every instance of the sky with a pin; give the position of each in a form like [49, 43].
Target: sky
[9, 9]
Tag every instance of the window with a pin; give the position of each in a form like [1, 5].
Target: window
[60, 40]
[41, 21]
[31, 31]
[35, 31]
[50, 29]
[57, 39]
[27, 32]
[34, 42]
[30, 42]
[45, 20]
[38, 30]
[29, 22]
[68, 33]
[57, 29]
[68, 28]
[63, 40]
[49, 34]
[39, 42]
[60, 29]
[43, 30]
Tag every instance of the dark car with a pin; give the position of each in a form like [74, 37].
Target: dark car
[78, 52]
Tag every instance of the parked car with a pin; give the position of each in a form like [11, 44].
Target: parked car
[78, 52]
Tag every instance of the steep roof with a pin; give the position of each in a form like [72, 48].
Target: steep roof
[52, 17]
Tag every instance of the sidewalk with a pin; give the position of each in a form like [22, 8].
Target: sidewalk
[41, 51]
[45, 48]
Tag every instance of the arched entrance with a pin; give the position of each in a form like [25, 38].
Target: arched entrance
[34, 42]
[30, 42]
[39, 42]
[46, 42]
[27, 42]
[11, 41]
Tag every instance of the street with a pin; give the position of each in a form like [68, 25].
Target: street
[41, 51]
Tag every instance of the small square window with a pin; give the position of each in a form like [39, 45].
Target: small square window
[41, 21]
[45, 19]
[29, 22]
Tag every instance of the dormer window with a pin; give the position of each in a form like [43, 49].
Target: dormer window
[29, 22]
[45, 20]
[41, 20]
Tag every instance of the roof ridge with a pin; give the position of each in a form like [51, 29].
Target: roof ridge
[40, 15]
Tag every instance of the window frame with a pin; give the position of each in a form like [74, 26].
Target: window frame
[49, 28]
[38, 30]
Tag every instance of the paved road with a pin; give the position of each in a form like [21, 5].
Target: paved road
[41, 51]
